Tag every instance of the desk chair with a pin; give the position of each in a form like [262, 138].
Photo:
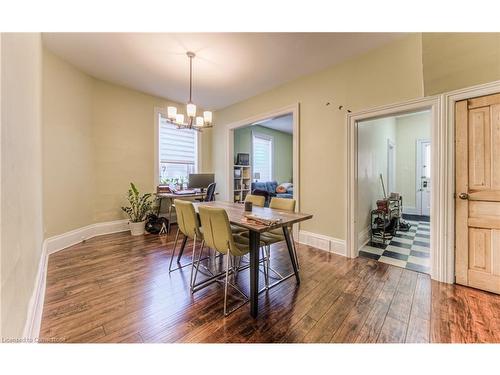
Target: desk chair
[210, 195]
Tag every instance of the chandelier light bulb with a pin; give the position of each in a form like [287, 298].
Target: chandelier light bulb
[199, 121]
[179, 118]
[171, 113]
[191, 109]
[207, 115]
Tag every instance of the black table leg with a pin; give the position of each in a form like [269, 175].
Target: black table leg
[289, 245]
[254, 272]
[181, 251]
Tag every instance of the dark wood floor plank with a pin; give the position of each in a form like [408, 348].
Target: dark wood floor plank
[117, 288]
[373, 324]
[419, 324]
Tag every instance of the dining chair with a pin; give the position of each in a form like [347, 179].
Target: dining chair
[257, 200]
[189, 225]
[276, 235]
[219, 236]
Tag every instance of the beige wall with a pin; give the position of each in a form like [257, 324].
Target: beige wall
[389, 74]
[456, 60]
[68, 154]
[98, 137]
[21, 169]
[123, 126]
[372, 161]
[408, 130]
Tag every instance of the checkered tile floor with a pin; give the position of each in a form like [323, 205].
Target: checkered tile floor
[409, 250]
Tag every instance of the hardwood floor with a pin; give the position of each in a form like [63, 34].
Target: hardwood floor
[117, 288]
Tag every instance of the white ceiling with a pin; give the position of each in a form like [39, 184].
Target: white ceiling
[281, 123]
[229, 67]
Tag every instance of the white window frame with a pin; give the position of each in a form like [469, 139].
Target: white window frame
[198, 150]
[271, 159]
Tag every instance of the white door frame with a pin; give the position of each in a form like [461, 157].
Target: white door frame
[291, 109]
[439, 160]
[418, 173]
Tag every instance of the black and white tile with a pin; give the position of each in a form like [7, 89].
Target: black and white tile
[409, 250]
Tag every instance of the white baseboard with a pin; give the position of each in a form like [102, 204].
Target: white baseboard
[35, 308]
[322, 242]
[364, 237]
[76, 236]
[50, 246]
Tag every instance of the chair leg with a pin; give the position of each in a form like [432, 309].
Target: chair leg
[197, 266]
[228, 256]
[192, 264]
[173, 252]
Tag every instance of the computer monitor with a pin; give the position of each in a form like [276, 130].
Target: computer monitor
[200, 180]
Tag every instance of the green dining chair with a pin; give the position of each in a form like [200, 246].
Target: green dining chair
[218, 236]
[257, 200]
[189, 225]
[276, 235]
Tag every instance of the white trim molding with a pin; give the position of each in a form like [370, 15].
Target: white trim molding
[50, 246]
[364, 237]
[439, 189]
[322, 242]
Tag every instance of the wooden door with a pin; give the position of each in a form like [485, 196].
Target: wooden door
[477, 194]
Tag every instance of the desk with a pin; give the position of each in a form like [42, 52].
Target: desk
[236, 213]
[171, 197]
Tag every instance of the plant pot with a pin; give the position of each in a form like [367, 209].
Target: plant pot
[137, 229]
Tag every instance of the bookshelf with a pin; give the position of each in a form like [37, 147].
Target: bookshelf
[242, 182]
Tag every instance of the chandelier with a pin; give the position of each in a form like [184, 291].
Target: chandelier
[192, 122]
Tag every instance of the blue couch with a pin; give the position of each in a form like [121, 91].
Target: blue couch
[268, 189]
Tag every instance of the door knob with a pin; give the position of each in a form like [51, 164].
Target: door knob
[463, 196]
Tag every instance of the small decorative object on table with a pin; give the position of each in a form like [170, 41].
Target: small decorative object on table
[140, 207]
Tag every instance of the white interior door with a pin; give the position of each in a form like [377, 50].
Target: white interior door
[423, 177]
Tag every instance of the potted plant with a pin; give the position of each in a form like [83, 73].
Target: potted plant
[140, 207]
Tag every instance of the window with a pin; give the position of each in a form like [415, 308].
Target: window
[177, 151]
[262, 156]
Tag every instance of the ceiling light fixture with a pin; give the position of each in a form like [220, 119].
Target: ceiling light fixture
[192, 122]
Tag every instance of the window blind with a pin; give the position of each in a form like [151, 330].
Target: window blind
[262, 156]
[177, 150]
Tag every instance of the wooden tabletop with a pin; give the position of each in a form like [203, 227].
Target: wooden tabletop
[236, 213]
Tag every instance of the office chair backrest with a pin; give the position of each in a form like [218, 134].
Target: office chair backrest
[210, 196]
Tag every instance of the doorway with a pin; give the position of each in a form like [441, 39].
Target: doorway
[393, 164]
[291, 110]
[423, 177]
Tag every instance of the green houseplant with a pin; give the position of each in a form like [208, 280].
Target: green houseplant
[140, 207]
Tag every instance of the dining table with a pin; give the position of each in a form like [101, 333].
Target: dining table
[280, 218]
